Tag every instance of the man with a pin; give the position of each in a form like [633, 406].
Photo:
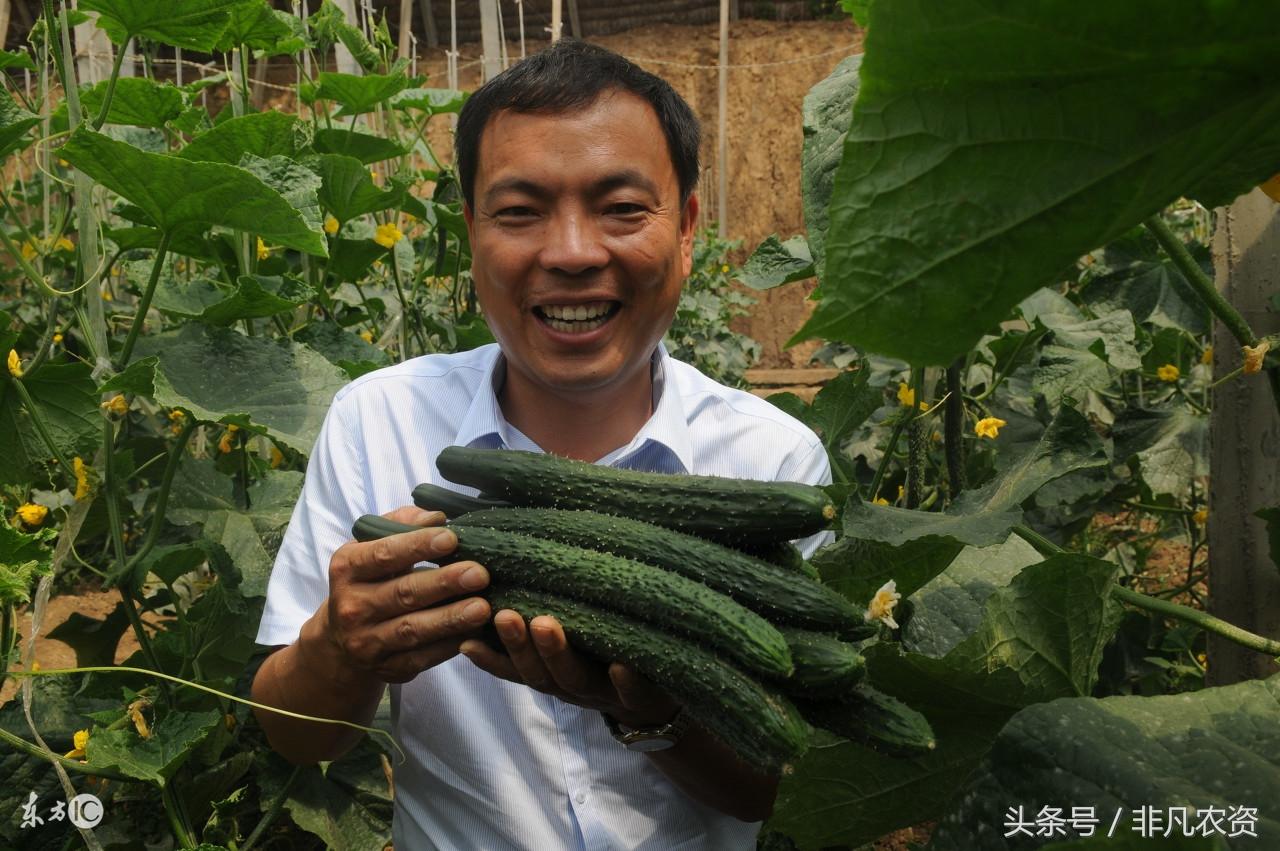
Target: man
[578, 172]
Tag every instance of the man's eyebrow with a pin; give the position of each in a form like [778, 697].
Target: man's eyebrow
[614, 180]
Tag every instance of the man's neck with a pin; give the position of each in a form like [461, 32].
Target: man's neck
[586, 425]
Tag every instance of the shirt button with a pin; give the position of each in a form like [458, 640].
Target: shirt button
[580, 797]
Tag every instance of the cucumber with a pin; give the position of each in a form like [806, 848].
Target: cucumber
[626, 586]
[826, 667]
[872, 718]
[781, 597]
[371, 527]
[734, 510]
[761, 726]
[783, 554]
[453, 504]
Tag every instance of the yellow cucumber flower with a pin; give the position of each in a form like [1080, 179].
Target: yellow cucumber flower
[277, 457]
[227, 443]
[57, 339]
[1168, 372]
[15, 364]
[1206, 357]
[906, 396]
[116, 405]
[263, 251]
[84, 479]
[881, 606]
[989, 427]
[1253, 357]
[140, 720]
[880, 501]
[387, 235]
[367, 336]
[31, 514]
[724, 270]
[330, 225]
[1201, 517]
[80, 740]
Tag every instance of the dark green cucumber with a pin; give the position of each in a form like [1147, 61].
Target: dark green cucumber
[371, 527]
[761, 726]
[675, 603]
[735, 510]
[826, 667]
[784, 554]
[780, 596]
[453, 504]
[874, 719]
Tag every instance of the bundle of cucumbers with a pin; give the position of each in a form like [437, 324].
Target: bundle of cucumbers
[689, 580]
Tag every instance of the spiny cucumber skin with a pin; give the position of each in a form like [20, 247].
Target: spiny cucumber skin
[761, 726]
[783, 598]
[451, 503]
[629, 587]
[737, 510]
[825, 666]
[874, 719]
[785, 555]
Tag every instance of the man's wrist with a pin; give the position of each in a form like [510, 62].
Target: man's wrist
[318, 653]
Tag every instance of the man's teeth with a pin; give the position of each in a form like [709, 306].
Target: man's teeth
[579, 318]
[578, 312]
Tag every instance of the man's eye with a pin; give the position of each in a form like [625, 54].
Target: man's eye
[626, 209]
[515, 212]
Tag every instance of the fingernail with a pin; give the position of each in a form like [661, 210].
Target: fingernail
[444, 542]
[476, 610]
[474, 578]
[509, 631]
[542, 636]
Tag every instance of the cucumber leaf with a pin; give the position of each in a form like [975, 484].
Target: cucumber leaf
[1214, 748]
[173, 191]
[986, 139]
[189, 24]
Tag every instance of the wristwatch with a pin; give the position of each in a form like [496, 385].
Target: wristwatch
[657, 738]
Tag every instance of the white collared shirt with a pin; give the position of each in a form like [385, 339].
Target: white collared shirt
[492, 765]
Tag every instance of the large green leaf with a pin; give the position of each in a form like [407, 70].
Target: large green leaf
[263, 134]
[358, 94]
[363, 146]
[254, 24]
[250, 536]
[296, 183]
[1109, 336]
[1038, 638]
[840, 407]
[14, 124]
[994, 143]
[348, 190]
[430, 101]
[154, 759]
[775, 263]
[340, 345]
[175, 191]
[65, 397]
[1170, 448]
[1148, 284]
[348, 807]
[137, 101]
[827, 113]
[190, 24]
[858, 568]
[983, 516]
[1215, 748]
[220, 375]
[254, 297]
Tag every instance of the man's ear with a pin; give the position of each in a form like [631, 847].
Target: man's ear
[688, 229]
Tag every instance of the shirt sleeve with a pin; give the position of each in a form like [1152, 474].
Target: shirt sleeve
[812, 468]
[333, 495]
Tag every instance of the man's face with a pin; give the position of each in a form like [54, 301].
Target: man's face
[580, 244]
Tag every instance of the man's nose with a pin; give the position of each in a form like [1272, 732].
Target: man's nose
[573, 245]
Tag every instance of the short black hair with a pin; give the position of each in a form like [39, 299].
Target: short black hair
[568, 75]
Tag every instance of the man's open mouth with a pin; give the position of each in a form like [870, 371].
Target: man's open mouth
[577, 318]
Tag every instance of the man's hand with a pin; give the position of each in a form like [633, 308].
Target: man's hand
[539, 655]
[386, 619]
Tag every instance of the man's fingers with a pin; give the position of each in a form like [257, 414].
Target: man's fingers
[442, 625]
[638, 694]
[391, 556]
[421, 589]
[524, 657]
[571, 672]
[415, 516]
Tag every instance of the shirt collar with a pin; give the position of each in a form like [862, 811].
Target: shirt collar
[665, 433]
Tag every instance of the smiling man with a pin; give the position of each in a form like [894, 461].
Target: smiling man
[578, 172]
